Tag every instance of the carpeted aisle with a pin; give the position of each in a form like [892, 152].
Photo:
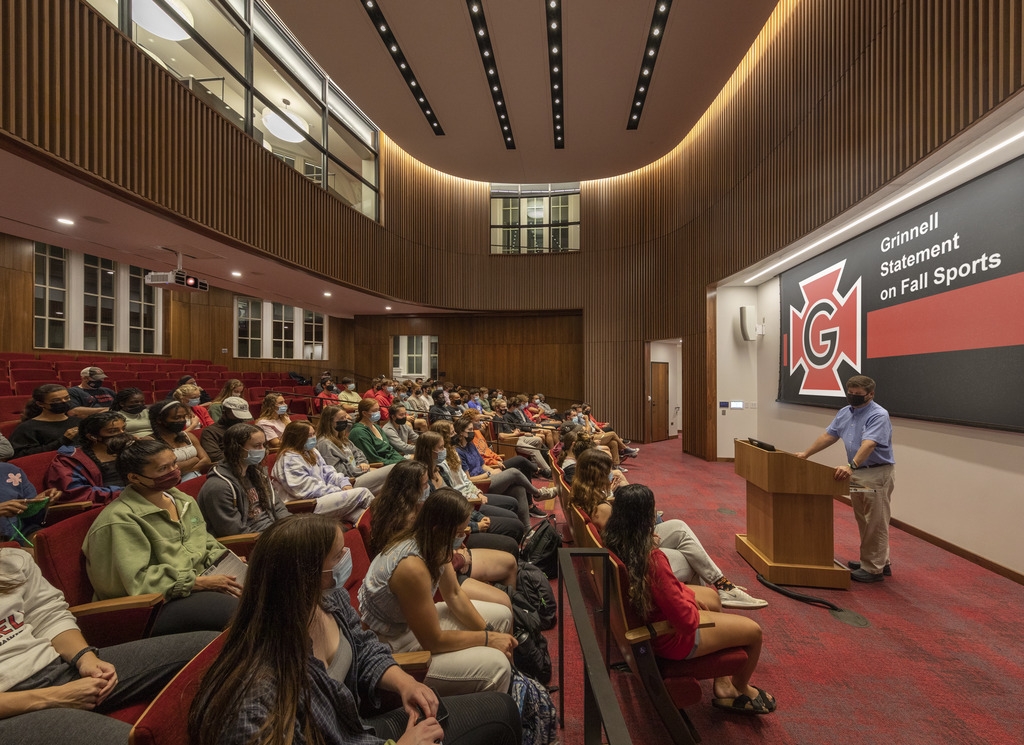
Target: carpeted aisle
[941, 662]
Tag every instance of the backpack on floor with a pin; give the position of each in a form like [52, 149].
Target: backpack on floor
[540, 548]
[534, 584]
[531, 655]
[536, 709]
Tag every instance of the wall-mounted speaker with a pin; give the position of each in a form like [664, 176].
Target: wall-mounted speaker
[748, 322]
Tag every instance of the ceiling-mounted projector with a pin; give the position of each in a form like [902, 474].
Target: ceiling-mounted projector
[179, 279]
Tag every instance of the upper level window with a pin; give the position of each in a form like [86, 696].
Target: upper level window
[535, 218]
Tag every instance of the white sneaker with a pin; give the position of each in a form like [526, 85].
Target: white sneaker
[737, 598]
[548, 492]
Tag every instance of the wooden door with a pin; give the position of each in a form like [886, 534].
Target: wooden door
[659, 401]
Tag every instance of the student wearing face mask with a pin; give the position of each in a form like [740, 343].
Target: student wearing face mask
[131, 404]
[196, 415]
[347, 396]
[344, 457]
[367, 436]
[300, 472]
[153, 538]
[470, 641]
[298, 667]
[273, 418]
[237, 496]
[45, 424]
[90, 395]
[88, 473]
[169, 419]
[328, 396]
[233, 410]
[399, 431]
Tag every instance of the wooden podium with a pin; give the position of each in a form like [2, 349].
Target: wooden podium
[789, 535]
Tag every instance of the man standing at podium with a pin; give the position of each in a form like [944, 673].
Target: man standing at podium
[866, 431]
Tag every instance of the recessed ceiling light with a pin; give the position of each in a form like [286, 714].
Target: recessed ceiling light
[481, 32]
[655, 32]
[327, 294]
[383, 27]
[554, 50]
[427, 111]
[641, 89]
[402, 65]
[554, 25]
[494, 88]
[499, 103]
[658, 24]
[387, 307]
[236, 274]
[491, 71]
[635, 116]
[505, 128]
[65, 221]
[421, 99]
[412, 83]
[553, 3]
[433, 124]
[555, 69]
[646, 71]
[650, 52]
[508, 139]
[558, 100]
[369, 3]
[476, 8]
[558, 116]
[394, 48]
[487, 53]
[661, 8]
[556, 86]
[502, 116]
[637, 103]
[559, 138]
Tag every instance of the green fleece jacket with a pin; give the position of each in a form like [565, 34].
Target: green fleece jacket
[134, 547]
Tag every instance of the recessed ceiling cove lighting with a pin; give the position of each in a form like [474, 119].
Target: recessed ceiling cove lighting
[327, 294]
[553, 16]
[477, 17]
[394, 49]
[236, 274]
[655, 34]
[387, 307]
[65, 221]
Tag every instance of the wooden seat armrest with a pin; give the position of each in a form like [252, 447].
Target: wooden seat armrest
[642, 634]
[149, 600]
[481, 477]
[377, 464]
[296, 506]
[475, 501]
[483, 484]
[230, 540]
[413, 661]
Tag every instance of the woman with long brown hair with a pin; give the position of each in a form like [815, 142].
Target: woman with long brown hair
[300, 472]
[297, 666]
[658, 596]
[273, 418]
[344, 457]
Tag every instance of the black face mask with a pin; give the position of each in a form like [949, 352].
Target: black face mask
[133, 409]
[59, 407]
[856, 399]
[342, 425]
[176, 427]
[403, 420]
[94, 384]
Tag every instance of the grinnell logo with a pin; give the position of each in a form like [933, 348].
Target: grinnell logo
[825, 332]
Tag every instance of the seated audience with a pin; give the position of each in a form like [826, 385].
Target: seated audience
[366, 435]
[233, 410]
[54, 687]
[509, 482]
[88, 473]
[492, 461]
[17, 495]
[491, 526]
[297, 666]
[131, 404]
[237, 496]
[347, 397]
[657, 595]
[196, 416]
[439, 409]
[396, 601]
[168, 419]
[419, 403]
[300, 472]
[45, 424]
[395, 509]
[233, 388]
[273, 418]
[344, 457]
[328, 396]
[90, 396]
[398, 430]
[528, 445]
[518, 417]
[204, 397]
[591, 492]
[153, 538]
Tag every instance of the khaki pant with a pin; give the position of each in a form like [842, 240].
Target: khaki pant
[872, 509]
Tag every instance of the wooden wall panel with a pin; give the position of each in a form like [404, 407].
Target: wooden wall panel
[17, 285]
[834, 101]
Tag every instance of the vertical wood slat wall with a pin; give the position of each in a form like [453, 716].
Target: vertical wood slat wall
[834, 101]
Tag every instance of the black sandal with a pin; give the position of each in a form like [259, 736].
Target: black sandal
[742, 704]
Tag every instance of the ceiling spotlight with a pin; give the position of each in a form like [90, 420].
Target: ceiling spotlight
[394, 48]
[554, 50]
[554, 25]
[559, 138]
[502, 116]
[661, 8]
[641, 89]
[427, 111]
[494, 88]
[508, 139]
[476, 8]
[433, 124]
[481, 32]
[635, 116]
[236, 274]
[553, 3]
[412, 83]
[327, 294]
[369, 3]
[555, 69]
[558, 116]
[491, 71]
[487, 53]
[558, 100]
[387, 307]
[650, 52]
[383, 27]
[646, 71]
[402, 65]
[558, 126]
[656, 31]
[637, 103]
[65, 221]
[421, 99]
[499, 103]
[556, 86]
[505, 128]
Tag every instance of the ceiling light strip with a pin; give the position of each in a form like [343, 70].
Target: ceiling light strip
[650, 56]
[376, 15]
[553, 9]
[483, 41]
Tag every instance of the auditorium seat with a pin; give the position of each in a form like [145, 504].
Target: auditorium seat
[25, 387]
[35, 466]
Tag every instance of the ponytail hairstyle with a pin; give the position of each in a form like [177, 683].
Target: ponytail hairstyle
[34, 407]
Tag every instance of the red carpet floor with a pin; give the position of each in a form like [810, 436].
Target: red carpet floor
[942, 660]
